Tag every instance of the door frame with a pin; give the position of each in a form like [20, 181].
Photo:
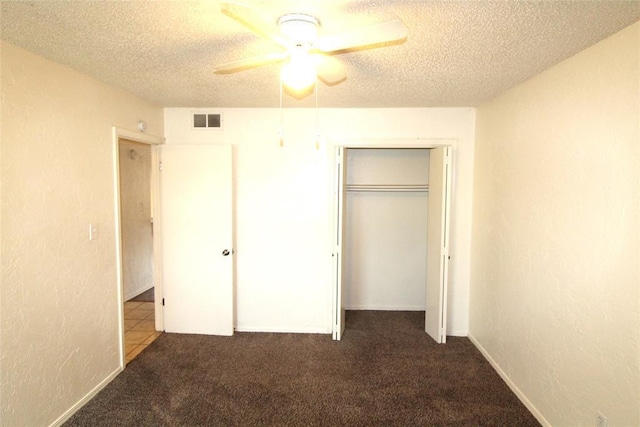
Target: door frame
[154, 142]
[337, 327]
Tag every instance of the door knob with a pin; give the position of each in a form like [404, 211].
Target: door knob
[225, 252]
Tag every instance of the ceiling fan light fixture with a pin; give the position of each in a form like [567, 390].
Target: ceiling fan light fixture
[299, 73]
[309, 53]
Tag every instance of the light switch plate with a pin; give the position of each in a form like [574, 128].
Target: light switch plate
[93, 231]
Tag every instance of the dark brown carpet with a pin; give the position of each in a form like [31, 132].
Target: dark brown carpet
[386, 371]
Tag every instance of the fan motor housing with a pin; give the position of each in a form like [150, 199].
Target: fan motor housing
[299, 27]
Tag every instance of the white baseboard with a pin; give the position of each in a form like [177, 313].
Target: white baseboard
[282, 330]
[245, 328]
[457, 333]
[69, 412]
[386, 308]
[536, 413]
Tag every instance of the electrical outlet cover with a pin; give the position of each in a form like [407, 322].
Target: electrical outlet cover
[601, 420]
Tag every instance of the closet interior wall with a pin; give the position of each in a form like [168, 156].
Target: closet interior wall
[386, 228]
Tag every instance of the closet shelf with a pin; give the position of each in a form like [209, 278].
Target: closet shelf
[386, 188]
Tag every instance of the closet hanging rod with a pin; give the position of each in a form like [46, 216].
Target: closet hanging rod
[386, 187]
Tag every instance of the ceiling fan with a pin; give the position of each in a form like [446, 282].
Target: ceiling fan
[308, 54]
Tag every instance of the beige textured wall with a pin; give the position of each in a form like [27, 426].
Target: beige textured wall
[135, 218]
[556, 228]
[59, 307]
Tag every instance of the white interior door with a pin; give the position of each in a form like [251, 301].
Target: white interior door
[196, 230]
[338, 236]
[438, 243]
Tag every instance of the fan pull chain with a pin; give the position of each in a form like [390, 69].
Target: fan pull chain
[317, 118]
[281, 132]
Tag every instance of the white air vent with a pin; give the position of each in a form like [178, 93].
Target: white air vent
[207, 121]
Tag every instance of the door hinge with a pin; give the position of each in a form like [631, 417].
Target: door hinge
[163, 302]
[160, 165]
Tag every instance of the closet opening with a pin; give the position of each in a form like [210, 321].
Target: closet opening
[384, 236]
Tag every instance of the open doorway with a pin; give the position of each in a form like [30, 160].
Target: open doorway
[136, 221]
[137, 245]
[136, 237]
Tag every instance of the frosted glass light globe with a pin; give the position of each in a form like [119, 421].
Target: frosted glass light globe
[299, 73]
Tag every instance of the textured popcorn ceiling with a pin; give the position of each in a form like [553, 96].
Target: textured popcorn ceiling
[458, 53]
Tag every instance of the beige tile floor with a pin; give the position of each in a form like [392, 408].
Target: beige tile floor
[139, 328]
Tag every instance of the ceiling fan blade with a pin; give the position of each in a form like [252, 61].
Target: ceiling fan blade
[330, 70]
[253, 62]
[250, 19]
[365, 36]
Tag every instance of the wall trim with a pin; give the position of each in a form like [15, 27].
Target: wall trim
[137, 136]
[386, 307]
[454, 333]
[417, 142]
[83, 401]
[278, 330]
[514, 388]
[458, 333]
